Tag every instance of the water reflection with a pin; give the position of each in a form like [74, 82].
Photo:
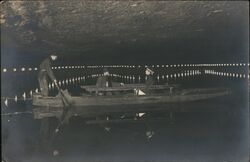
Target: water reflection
[214, 136]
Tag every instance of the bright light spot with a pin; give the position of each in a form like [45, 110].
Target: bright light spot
[23, 69]
[141, 114]
[24, 96]
[6, 102]
[4, 70]
[14, 69]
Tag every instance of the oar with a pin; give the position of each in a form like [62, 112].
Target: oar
[65, 96]
[67, 101]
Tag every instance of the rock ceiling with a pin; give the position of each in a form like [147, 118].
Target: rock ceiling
[108, 29]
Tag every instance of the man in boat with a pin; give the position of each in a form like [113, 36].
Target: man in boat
[104, 81]
[45, 73]
[149, 80]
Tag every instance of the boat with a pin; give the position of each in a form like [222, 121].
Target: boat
[123, 99]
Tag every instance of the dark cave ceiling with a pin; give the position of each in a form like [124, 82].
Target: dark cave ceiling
[125, 31]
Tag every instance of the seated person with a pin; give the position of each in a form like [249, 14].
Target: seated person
[149, 80]
[149, 77]
[103, 81]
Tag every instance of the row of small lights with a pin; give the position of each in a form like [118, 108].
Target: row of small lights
[175, 75]
[68, 81]
[176, 65]
[22, 98]
[226, 74]
[50, 86]
[132, 66]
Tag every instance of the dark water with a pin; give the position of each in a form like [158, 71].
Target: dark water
[193, 136]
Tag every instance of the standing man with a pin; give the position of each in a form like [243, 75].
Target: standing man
[45, 73]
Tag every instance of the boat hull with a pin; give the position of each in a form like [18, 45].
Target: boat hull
[99, 105]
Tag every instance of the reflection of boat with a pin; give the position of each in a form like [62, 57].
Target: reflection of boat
[122, 101]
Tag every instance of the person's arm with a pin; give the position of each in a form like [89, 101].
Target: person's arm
[50, 72]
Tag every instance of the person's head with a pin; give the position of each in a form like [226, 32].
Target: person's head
[53, 57]
[105, 72]
[149, 71]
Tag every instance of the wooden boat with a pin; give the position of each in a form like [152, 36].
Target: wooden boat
[123, 100]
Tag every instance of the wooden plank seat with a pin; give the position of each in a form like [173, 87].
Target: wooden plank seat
[127, 87]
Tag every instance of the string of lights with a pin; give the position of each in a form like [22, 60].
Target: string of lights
[25, 69]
